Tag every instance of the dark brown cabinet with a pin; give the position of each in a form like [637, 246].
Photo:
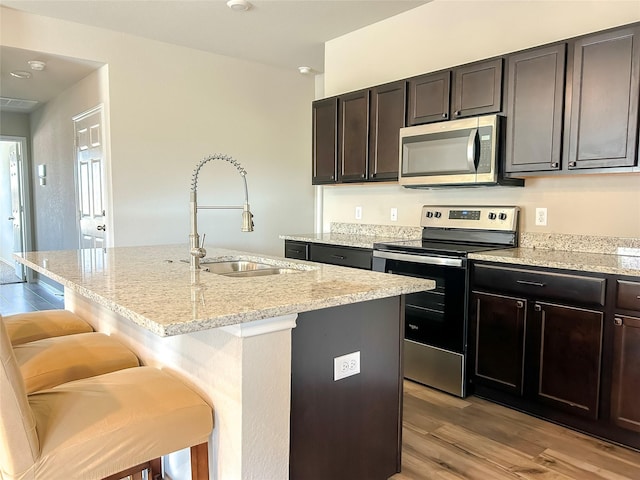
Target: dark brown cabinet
[568, 356]
[355, 257]
[356, 135]
[535, 108]
[625, 406]
[353, 136]
[603, 85]
[545, 345]
[477, 89]
[387, 117]
[469, 90]
[429, 98]
[499, 332]
[325, 141]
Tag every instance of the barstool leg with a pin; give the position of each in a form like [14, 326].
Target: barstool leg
[200, 462]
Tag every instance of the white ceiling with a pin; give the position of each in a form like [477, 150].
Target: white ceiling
[282, 33]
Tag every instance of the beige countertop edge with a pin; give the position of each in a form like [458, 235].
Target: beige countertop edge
[565, 260]
[194, 325]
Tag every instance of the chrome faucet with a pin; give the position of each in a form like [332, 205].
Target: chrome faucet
[197, 250]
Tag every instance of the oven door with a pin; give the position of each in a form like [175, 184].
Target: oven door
[432, 317]
[435, 320]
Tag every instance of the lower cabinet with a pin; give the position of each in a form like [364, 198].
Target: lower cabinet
[355, 257]
[625, 404]
[569, 357]
[546, 342]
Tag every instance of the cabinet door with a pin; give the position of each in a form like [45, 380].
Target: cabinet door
[497, 333]
[354, 136]
[429, 98]
[325, 141]
[477, 89]
[603, 100]
[387, 118]
[625, 405]
[570, 348]
[535, 102]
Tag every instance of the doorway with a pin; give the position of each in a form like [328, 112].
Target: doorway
[15, 221]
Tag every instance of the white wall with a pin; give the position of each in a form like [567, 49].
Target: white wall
[170, 106]
[446, 33]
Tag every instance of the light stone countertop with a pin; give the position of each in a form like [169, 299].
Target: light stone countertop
[154, 287]
[580, 261]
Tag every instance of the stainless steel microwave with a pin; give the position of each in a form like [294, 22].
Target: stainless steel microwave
[464, 152]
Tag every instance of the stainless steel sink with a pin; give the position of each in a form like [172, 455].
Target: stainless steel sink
[243, 268]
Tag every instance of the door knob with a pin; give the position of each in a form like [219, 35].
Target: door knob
[102, 227]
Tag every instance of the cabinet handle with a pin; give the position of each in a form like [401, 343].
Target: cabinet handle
[573, 164]
[444, 115]
[533, 284]
[537, 308]
[339, 257]
[554, 165]
[519, 304]
[617, 321]
[456, 113]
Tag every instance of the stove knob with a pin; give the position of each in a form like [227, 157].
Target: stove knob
[429, 214]
[438, 214]
[502, 216]
[492, 216]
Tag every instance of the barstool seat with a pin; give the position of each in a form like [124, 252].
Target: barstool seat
[51, 361]
[96, 427]
[31, 326]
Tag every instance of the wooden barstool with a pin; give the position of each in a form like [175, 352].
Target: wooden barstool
[31, 326]
[98, 427]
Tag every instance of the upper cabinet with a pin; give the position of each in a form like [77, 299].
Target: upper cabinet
[602, 100]
[353, 136]
[325, 141]
[570, 107]
[356, 136]
[535, 106]
[388, 106]
[476, 89]
[429, 98]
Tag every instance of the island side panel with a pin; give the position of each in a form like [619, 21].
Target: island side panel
[350, 428]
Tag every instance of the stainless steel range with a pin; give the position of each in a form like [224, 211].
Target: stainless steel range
[435, 345]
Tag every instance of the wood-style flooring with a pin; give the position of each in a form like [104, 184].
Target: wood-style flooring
[445, 437]
[28, 297]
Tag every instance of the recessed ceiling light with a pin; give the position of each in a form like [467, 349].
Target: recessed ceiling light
[37, 65]
[304, 70]
[239, 5]
[21, 74]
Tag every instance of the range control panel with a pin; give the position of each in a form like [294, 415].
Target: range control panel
[492, 217]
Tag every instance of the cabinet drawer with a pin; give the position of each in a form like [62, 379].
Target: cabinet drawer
[557, 286]
[298, 250]
[344, 256]
[628, 295]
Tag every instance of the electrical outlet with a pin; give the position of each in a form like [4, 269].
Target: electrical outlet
[394, 214]
[358, 213]
[346, 365]
[541, 216]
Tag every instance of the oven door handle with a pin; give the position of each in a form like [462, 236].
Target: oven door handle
[403, 257]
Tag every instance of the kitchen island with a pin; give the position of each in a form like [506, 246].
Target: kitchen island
[235, 340]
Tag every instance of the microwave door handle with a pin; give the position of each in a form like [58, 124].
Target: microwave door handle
[472, 151]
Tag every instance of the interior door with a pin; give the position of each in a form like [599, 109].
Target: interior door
[15, 175]
[90, 164]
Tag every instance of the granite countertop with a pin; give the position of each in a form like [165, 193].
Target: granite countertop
[580, 261]
[154, 287]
